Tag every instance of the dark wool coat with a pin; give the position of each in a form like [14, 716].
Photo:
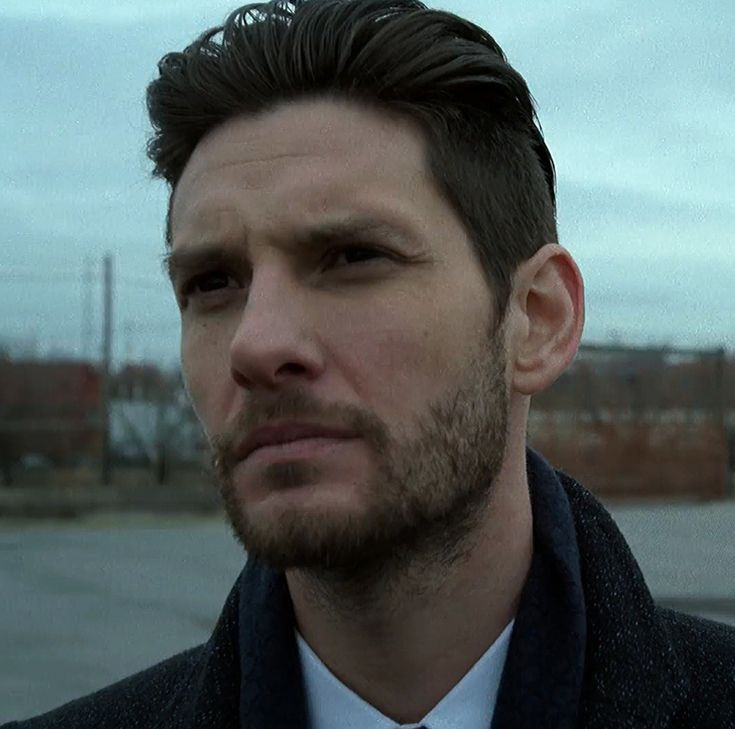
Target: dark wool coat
[644, 665]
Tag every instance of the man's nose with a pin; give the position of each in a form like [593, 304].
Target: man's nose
[272, 341]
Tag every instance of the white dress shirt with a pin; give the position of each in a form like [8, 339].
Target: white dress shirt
[469, 705]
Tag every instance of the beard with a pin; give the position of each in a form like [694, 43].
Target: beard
[427, 493]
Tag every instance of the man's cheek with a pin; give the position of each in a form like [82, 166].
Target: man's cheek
[195, 381]
[195, 398]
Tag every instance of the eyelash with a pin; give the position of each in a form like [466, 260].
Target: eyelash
[332, 252]
[189, 285]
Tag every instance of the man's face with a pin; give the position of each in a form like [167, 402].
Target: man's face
[350, 296]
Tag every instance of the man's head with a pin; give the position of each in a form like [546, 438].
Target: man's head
[314, 132]
[484, 150]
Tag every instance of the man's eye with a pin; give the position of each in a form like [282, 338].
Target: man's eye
[206, 282]
[364, 254]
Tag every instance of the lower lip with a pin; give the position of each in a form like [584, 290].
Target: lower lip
[302, 448]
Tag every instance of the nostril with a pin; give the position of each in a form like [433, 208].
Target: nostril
[239, 378]
[292, 368]
[286, 370]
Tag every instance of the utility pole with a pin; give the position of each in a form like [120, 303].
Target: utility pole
[106, 366]
[128, 343]
[720, 411]
[87, 310]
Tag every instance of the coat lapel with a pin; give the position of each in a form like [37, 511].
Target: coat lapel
[632, 675]
[543, 672]
[248, 675]
[208, 696]
[272, 688]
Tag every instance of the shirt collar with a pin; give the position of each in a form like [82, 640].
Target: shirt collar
[470, 704]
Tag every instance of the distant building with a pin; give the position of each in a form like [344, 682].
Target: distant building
[49, 409]
[139, 382]
[639, 422]
[150, 415]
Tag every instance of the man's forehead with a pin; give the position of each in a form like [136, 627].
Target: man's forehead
[319, 148]
[229, 170]
[298, 129]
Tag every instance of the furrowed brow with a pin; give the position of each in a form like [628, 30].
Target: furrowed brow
[178, 263]
[351, 229]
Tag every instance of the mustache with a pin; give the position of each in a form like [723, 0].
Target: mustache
[291, 405]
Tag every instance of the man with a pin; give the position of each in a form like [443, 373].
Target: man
[363, 249]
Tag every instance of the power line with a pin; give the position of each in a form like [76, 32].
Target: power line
[44, 278]
[67, 277]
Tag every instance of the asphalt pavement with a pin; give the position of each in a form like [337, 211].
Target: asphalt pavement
[87, 602]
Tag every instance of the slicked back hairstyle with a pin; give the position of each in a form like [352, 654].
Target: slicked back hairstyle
[484, 145]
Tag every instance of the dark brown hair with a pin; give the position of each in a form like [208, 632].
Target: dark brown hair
[484, 144]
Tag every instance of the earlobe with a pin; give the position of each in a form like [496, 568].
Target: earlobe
[549, 298]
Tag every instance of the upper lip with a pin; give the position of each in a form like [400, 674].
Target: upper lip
[286, 432]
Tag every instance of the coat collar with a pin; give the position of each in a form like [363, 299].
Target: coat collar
[632, 676]
[544, 670]
[247, 675]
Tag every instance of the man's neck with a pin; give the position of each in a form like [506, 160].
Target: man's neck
[402, 638]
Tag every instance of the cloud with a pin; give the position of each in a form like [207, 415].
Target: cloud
[636, 102]
[120, 12]
[643, 226]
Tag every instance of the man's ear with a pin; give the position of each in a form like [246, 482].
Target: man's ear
[548, 310]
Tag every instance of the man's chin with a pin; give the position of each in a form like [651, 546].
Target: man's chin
[307, 539]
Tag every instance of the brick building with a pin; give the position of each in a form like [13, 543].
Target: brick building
[49, 409]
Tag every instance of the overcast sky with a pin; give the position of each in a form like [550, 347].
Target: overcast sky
[637, 103]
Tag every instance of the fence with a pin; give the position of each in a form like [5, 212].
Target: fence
[52, 429]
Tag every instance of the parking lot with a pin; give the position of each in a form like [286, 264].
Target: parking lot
[87, 603]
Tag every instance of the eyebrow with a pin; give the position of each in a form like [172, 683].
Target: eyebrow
[180, 262]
